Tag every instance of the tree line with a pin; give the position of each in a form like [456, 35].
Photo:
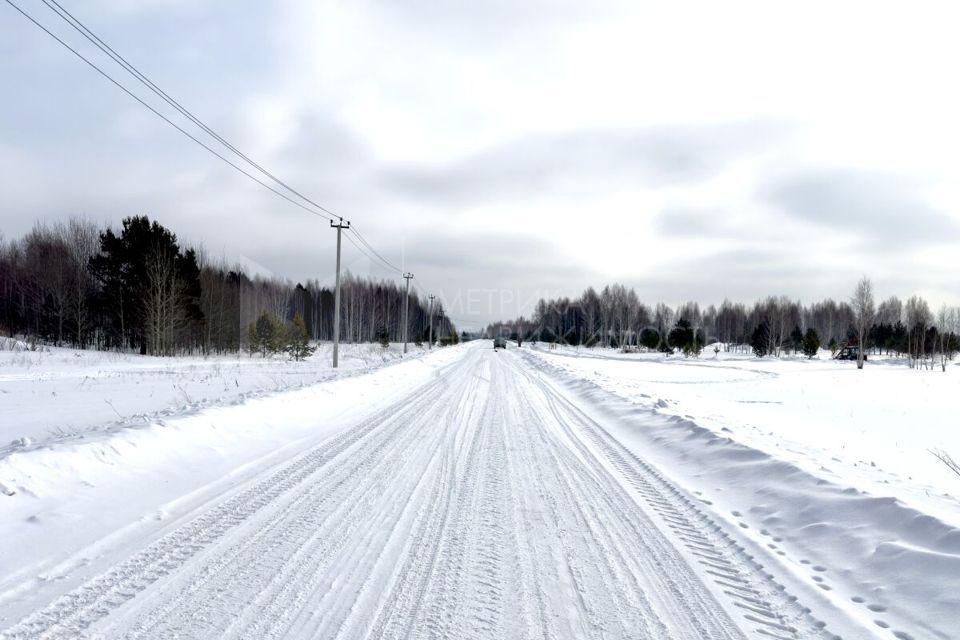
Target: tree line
[616, 317]
[138, 288]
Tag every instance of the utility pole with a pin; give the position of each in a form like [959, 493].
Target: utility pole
[406, 304]
[431, 296]
[440, 327]
[339, 226]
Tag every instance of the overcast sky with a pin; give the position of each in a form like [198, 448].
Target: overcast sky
[505, 150]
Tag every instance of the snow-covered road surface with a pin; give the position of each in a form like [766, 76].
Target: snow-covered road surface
[483, 504]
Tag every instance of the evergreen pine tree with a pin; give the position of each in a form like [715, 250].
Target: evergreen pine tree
[680, 336]
[650, 339]
[796, 339]
[811, 343]
[266, 335]
[298, 340]
[278, 336]
[760, 340]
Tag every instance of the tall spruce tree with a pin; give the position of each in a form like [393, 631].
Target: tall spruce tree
[811, 343]
[125, 270]
[760, 340]
[298, 340]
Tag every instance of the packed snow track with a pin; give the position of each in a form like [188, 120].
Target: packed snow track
[485, 504]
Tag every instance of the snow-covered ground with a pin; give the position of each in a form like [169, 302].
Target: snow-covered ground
[824, 469]
[473, 493]
[57, 393]
[71, 507]
[874, 429]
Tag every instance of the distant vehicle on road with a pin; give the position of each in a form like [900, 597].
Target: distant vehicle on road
[499, 343]
[849, 352]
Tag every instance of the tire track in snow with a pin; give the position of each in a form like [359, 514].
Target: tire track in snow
[616, 582]
[771, 611]
[466, 598]
[260, 571]
[405, 602]
[72, 614]
[482, 505]
[285, 565]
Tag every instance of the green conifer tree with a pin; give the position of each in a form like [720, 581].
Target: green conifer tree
[811, 343]
[298, 340]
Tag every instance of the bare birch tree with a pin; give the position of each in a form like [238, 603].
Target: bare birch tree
[163, 311]
[947, 320]
[864, 311]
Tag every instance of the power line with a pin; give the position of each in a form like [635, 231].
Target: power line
[430, 297]
[420, 280]
[382, 259]
[89, 35]
[72, 20]
[417, 288]
[158, 114]
[359, 248]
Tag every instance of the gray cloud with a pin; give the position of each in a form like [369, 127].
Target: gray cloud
[872, 205]
[592, 160]
[71, 143]
[487, 277]
[502, 257]
[738, 274]
[692, 222]
[464, 23]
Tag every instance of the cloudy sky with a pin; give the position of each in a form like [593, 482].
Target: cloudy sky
[504, 150]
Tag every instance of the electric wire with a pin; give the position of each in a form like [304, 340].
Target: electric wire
[158, 114]
[375, 253]
[81, 28]
[359, 248]
[89, 35]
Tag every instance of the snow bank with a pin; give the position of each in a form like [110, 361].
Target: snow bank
[888, 562]
[172, 464]
[872, 429]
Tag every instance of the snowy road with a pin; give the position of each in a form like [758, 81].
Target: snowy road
[484, 504]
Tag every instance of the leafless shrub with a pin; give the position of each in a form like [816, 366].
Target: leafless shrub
[946, 459]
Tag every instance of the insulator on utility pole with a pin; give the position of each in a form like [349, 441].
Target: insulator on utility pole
[339, 226]
[432, 297]
[406, 305]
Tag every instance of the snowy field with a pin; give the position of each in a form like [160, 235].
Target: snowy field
[874, 429]
[473, 493]
[825, 469]
[56, 394]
